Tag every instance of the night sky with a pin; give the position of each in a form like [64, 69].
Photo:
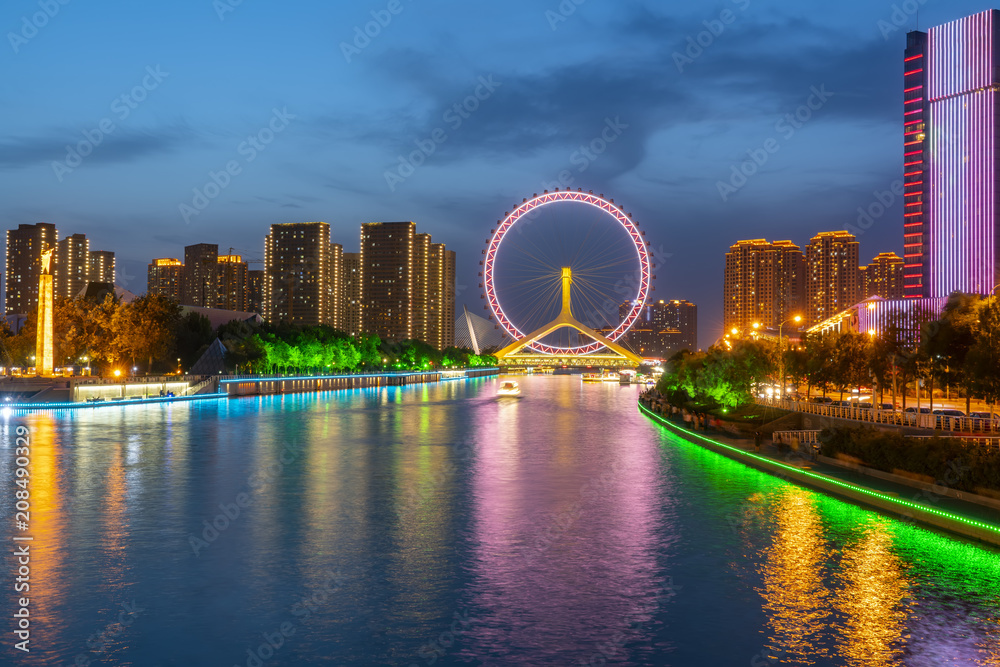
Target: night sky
[550, 78]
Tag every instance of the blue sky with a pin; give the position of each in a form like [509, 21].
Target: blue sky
[199, 77]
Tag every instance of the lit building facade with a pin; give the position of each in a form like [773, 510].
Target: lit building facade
[297, 274]
[764, 283]
[24, 265]
[200, 268]
[663, 328]
[832, 275]
[916, 169]
[255, 291]
[350, 307]
[102, 266]
[230, 289]
[963, 91]
[335, 286]
[165, 277]
[71, 266]
[883, 277]
[388, 279]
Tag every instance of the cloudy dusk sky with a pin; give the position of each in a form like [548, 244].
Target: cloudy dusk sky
[163, 95]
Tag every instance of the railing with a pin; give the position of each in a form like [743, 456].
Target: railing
[967, 440]
[889, 417]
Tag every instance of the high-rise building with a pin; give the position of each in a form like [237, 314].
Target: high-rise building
[407, 285]
[441, 297]
[351, 293]
[255, 292]
[832, 274]
[102, 266]
[764, 283]
[916, 168]
[387, 279]
[883, 277]
[200, 269]
[24, 265]
[335, 286]
[662, 329]
[963, 92]
[297, 274]
[230, 288]
[165, 277]
[71, 266]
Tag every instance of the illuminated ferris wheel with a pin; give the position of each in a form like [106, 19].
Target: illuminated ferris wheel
[581, 245]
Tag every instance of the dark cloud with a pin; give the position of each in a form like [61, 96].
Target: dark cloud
[122, 146]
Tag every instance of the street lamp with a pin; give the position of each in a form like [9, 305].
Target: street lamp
[781, 353]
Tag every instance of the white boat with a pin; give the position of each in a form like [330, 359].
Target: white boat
[509, 388]
[611, 376]
[592, 377]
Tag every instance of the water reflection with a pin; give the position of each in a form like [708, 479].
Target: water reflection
[796, 598]
[566, 532]
[871, 598]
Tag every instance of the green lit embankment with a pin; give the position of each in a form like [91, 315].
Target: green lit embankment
[904, 510]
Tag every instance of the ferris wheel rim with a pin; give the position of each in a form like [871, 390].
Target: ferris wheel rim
[538, 201]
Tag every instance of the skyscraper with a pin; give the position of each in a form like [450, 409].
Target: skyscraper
[297, 274]
[255, 292]
[916, 168]
[351, 293]
[963, 91]
[764, 283]
[165, 277]
[832, 270]
[883, 277]
[200, 273]
[230, 286]
[335, 287]
[387, 279]
[71, 266]
[24, 256]
[102, 266]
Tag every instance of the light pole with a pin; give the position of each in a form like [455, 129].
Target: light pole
[781, 354]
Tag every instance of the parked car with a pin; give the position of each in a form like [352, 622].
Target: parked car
[886, 406]
[923, 411]
[985, 415]
[950, 412]
[823, 400]
[940, 421]
[984, 421]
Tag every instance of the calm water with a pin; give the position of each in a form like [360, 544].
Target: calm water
[441, 525]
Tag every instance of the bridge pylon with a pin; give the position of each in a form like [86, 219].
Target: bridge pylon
[565, 319]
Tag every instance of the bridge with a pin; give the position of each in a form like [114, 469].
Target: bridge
[614, 356]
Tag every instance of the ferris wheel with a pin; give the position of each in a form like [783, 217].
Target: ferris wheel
[530, 254]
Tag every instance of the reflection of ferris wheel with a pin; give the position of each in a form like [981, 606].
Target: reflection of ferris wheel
[594, 270]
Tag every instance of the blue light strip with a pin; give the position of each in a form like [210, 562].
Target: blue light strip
[108, 404]
[344, 377]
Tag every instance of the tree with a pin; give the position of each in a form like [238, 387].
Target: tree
[849, 356]
[193, 334]
[947, 341]
[983, 358]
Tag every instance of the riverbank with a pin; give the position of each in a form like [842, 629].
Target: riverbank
[953, 515]
[225, 387]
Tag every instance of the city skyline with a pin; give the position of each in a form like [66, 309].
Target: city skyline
[665, 164]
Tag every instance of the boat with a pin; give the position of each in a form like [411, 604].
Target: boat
[611, 376]
[592, 377]
[544, 370]
[509, 388]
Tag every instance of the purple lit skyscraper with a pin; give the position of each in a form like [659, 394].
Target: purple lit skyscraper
[963, 84]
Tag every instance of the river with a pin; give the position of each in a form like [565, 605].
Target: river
[439, 524]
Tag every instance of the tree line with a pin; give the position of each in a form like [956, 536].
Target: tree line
[154, 334]
[958, 351]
